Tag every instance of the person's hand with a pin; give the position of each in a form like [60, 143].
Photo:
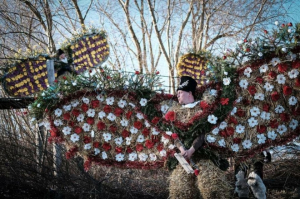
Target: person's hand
[187, 154]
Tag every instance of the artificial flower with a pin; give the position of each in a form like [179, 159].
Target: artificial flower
[67, 116]
[101, 114]
[104, 155]
[155, 120]
[120, 157]
[282, 67]
[210, 139]
[132, 156]
[106, 137]
[237, 140]
[90, 112]
[264, 68]
[143, 102]
[254, 111]
[111, 117]
[124, 122]
[96, 151]
[252, 90]
[106, 146]
[67, 107]
[252, 122]
[110, 100]
[170, 116]
[275, 96]
[243, 83]
[293, 100]
[259, 79]
[162, 153]
[122, 103]
[118, 111]
[261, 138]
[74, 137]
[268, 86]
[66, 130]
[140, 138]
[213, 92]
[229, 131]
[84, 107]
[143, 156]
[137, 124]
[75, 103]
[58, 122]
[90, 120]
[265, 115]
[212, 119]
[293, 124]
[87, 146]
[86, 127]
[133, 130]
[247, 144]
[247, 71]
[140, 116]
[285, 117]
[75, 112]
[152, 157]
[240, 112]
[240, 129]
[275, 61]
[101, 125]
[113, 129]
[261, 128]
[224, 101]
[118, 140]
[296, 64]
[164, 108]
[272, 135]
[58, 112]
[281, 129]
[132, 105]
[128, 140]
[293, 74]
[233, 111]
[281, 79]
[155, 131]
[235, 147]
[222, 142]
[80, 118]
[259, 96]
[100, 98]
[226, 81]
[223, 125]
[272, 75]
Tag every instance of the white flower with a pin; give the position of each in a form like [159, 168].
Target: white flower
[281, 129]
[74, 137]
[133, 130]
[120, 157]
[293, 73]
[291, 56]
[164, 140]
[74, 83]
[104, 155]
[154, 131]
[252, 122]
[58, 112]
[279, 109]
[223, 125]
[143, 102]
[235, 147]
[293, 124]
[221, 142]
[100, 98]
[247, 71]
[275, 61]
[283, 50]
[122, 103]
[140, 138]
[268, 86]
[74, 103]
[80, 117]
[92, 133]
[233, 111]
[163, 153]
[128, 140]
[101, 114]
[239, 99]
[259, 96]
[140, 116]
[118, 140]
[210, 139]
[164, 108]
[143, 156]
[247, 144]
[171, 146]
[124, 122]
[58, 122]
[47, 125]
[261, 138]
[213, 92]
[276, 23]
[152, 157]
[226, 81]
[66, 130]
[87, 146]
[280, 79]
[265, 115]
[289, 31]
[67, 107]
[110, 100]
[106, 137]
[212, 119]
[90, 112]
[96, 151]
[254, 111]
[169, 133]
[225, 73]
[260, 54]
[243, 83]
[240, 128]
[111, 117]
[272, 135]
[240, 42]
[132, 105]
[85, 100]
[147, 124]
[293, 101]
[132, 156]
[215, 131]
[38, 105]
[264, 68]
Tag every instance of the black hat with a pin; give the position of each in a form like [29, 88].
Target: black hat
[59, 52]
[187, 84]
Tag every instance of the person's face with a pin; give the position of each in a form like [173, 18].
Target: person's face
[184, 97]
[62, 56]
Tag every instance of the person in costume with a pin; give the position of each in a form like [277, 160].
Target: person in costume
[211, 181]
[63, 66]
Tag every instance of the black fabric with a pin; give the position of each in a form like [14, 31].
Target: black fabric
[65, 68]
[187, 84]
[59, 52]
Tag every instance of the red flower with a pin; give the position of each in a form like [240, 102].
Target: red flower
[232, 120]
[95, 103]
[240, 112]
[96, 144]
[87, 139]
[137, 124]
[157, 72]
[296, 64]
[284, 117]
[170, 116]
[266, 107]
[55, 81]
[297, 82]
[160, 147]
[275, 96]
[196, 172]
[145, 132]
[282, 67]
[107, 109]
[113, 128]
[274, 124]
[108, 77]
[265, 31]
[261, 128]
[106, 146]
[272, 74]
[224, 101]
[252, 90]
[66, 116]
[290, 24]
[101, 125]
[84, 107]
[75, 112]
[229, 130]
[149, 144]
[78, 130]
[245, 40]
[125, 133]
[139, 147]
[223, 133]
[118, 149]
[129, 150]
[128, 114]
[64, 77]
[90, 120]
[118, 111]
[204, 105]
[155, 120]
[259, 80]
[236, 140]
[246, 102]
[71, 123]
[224, 57]
[46, 110]
[283, 25]
[137, 72]
[54, 132]
[287, 90]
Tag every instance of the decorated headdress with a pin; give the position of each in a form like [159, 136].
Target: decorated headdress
[188, 84]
